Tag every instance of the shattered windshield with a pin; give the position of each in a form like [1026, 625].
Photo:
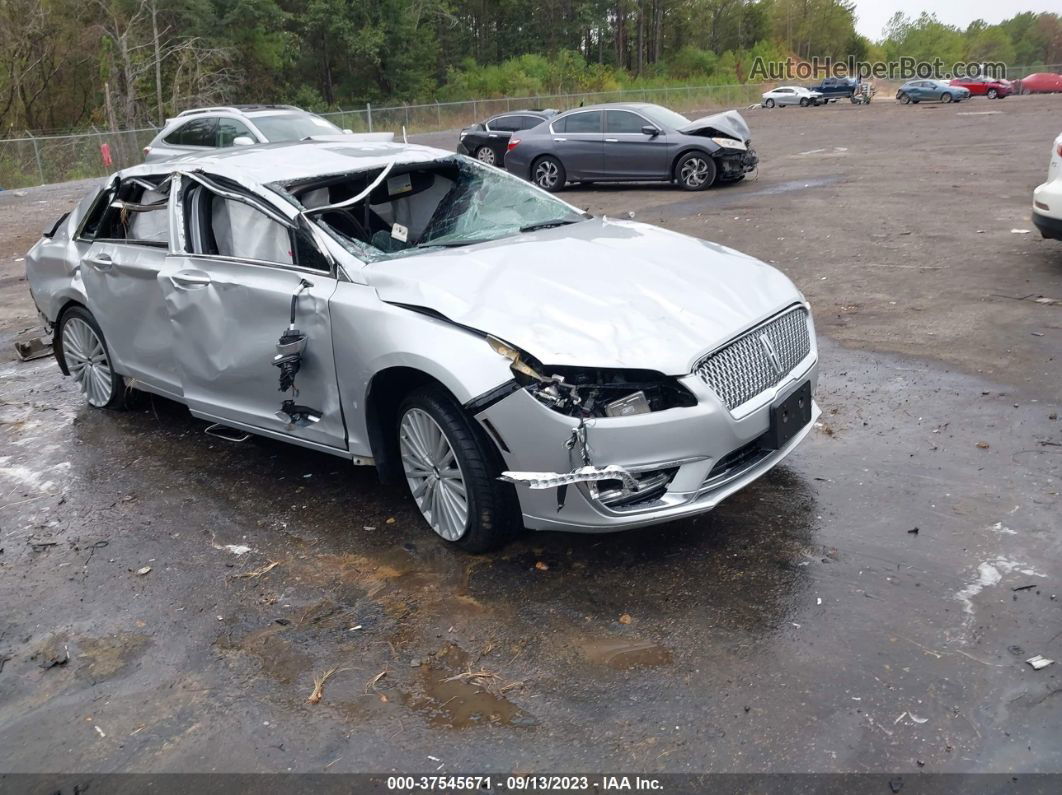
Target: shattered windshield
[293, 126]
[415, 208]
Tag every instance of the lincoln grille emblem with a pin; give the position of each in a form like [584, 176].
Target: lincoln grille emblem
[772, 355]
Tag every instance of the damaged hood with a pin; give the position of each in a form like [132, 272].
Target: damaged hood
[598, 293]
[729, 124]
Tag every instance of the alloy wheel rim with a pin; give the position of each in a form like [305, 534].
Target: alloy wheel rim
[486, 155]
[546, 174]
[86, 359]
[694, 172]
[434, 474]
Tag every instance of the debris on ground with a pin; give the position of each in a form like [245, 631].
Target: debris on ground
[1039, 662]
[1028, 587]
[371, 684]
[34, 348]
[99, 731]
[259, 572]
[913, 531]
[319, 683]
[1019, 231]
[54, 656]
[142, 571]
[982, 445]
[542, 566]
[625, 618]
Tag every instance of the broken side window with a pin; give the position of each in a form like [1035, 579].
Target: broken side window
[227, 227]
[419, 207]
[137, 213]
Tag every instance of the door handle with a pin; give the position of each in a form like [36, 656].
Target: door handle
[188, 279]
[612, 140]
[101, 262]
[560, 139]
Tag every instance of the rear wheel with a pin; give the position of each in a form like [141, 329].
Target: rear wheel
[452, 473]
[991, 93]
[548, 174]
[83, 351]
[695, 171]
[486, 155]
[945, 98]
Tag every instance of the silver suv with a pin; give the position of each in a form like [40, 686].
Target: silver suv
[201, 129]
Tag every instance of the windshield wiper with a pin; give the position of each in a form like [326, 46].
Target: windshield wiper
[548, 224]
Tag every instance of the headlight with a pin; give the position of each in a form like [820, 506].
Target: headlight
[730, 143]
[593, 392]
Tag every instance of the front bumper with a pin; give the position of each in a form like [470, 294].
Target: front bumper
[712, 452]
[733, 163]
[1047, 209]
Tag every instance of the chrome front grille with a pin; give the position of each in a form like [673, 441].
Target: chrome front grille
[758, 359]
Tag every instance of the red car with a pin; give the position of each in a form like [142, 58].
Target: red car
[1040, 83]
[985, 86]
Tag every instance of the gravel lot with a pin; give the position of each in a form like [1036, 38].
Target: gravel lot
[803, 626]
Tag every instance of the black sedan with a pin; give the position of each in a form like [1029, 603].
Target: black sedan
[488, 140]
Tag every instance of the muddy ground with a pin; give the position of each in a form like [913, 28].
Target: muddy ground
[868, 606]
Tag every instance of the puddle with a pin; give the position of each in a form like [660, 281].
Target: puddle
[109, 656]
[276, 656]
[449, 698]
[623, 654]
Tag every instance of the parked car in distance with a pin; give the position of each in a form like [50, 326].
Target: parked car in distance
[633, 142]
[985, 86]
[496, 349]
[488, 140]
[791, 95]
[915, 91]
[1040, 83]
[1047, 198]
[834, 88]
[199, 130]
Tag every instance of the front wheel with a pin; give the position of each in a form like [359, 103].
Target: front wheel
[452, 473]
[768, 103]
[904, 99]
[82, 350]
[803, 102]
[548, 173]
[695, 171]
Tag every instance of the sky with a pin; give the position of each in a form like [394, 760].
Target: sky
[873, 14]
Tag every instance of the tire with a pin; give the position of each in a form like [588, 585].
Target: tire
[768, 103]
[486, 517]
[695, 171]
[904, 99]
[946, 98]
[81, 350]
[548, 173]
[486, 155]
[803, 102]
[992, 93]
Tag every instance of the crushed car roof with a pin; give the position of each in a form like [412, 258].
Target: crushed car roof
[293, 161]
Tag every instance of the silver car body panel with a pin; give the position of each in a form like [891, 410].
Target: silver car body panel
[201, 329]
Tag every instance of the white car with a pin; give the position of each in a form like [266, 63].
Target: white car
[514, 360]
[791, 95]
[1047, 198]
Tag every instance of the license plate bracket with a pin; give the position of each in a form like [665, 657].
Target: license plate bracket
[789, 417]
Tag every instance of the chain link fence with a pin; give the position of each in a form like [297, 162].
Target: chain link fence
[44, 159]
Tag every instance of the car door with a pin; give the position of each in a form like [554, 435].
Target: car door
[578, 140]
[120, 270]
[785, 97]
[229, 294]
[631, 153]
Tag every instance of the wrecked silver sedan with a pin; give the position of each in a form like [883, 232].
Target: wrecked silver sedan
[515, 361]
